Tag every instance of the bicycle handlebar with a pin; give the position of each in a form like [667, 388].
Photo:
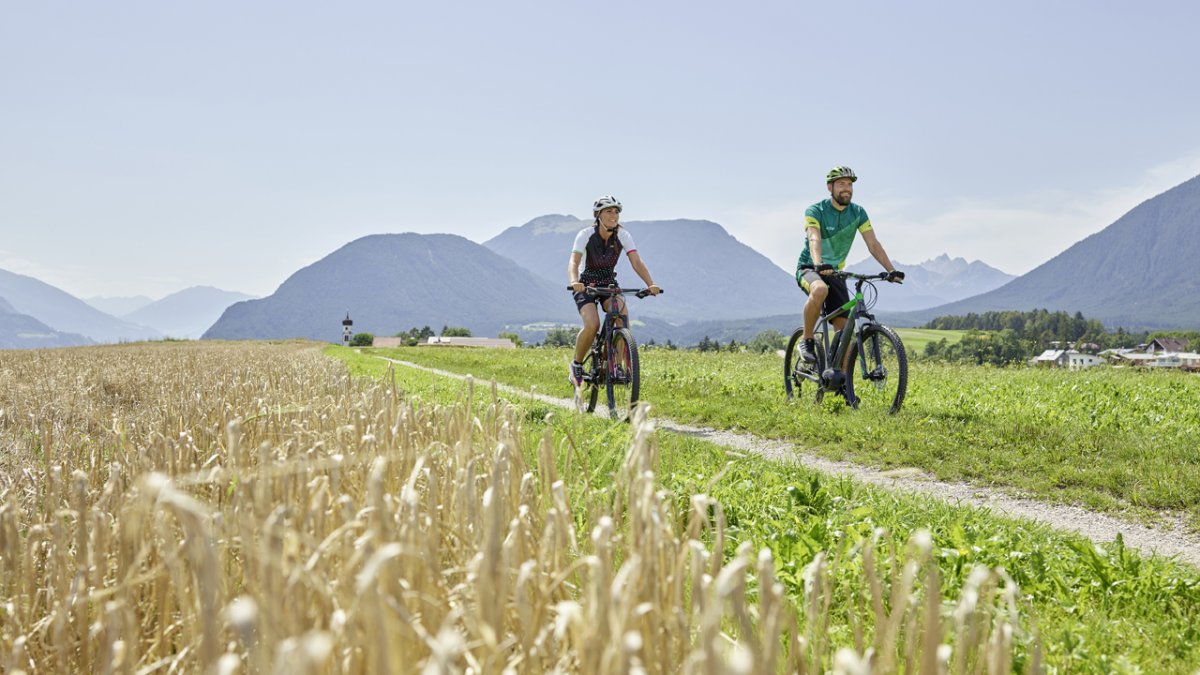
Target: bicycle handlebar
[842, 274]
[609, 291]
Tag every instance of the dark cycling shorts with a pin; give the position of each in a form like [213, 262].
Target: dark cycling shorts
[582, 299]
[838, 293]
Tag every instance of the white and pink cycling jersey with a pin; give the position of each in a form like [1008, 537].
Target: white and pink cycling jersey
[600, 257]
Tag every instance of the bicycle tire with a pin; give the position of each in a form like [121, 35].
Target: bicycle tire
[623, 374]
[793, 365]
[589, 391]
[884, 382]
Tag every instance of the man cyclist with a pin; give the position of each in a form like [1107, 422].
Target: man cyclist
[829, 228]
[599, 247]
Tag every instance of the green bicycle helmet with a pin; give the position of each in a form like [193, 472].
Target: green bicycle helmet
[840, 172]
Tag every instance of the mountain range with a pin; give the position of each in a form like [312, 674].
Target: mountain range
[393, 282]
[936, 281]
[36, 314]
[21, 331]
[187, 313]
[706, 272]
[119, 306]
[1139, 272]
[66, 313]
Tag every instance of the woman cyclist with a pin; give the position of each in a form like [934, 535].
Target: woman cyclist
[599, 248]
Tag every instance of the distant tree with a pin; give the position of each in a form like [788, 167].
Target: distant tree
[733, 346]
[671, 345]
[707, 345]
[362, 340]
[451, 331]
[936, 350]
[414, 335]
[1043, 328]
[561, 336]
[979, 347]
[516, 339]
[769, 340]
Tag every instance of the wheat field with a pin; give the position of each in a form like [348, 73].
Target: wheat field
[250, 507]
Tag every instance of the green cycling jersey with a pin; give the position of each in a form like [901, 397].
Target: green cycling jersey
[837, 232]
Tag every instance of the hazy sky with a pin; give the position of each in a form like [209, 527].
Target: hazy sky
[150, 146]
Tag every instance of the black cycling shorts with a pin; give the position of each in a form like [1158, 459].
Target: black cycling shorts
[838, 295]
[582, 299]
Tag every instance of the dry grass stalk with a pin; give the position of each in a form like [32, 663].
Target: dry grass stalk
[250, 508]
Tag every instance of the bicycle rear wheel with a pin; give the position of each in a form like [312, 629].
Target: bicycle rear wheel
[622, 375]
[882, 384]
[795, 368]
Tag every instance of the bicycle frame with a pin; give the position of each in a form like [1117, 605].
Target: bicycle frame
[835, 372]
[602, 344]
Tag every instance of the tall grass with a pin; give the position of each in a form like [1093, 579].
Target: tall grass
[219, 508]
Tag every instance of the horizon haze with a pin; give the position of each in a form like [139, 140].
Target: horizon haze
[151, 148]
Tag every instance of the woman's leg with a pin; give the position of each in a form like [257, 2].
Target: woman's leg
[591, 324]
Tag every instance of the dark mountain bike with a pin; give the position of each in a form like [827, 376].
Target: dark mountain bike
[869, 367]
[612, 362]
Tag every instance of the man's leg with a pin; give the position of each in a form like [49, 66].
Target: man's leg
[817, 292]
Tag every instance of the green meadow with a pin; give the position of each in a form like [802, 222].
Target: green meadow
[1115, 441]
[915, 339]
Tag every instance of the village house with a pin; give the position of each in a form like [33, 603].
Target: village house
[438, 341]
[1164, 344]
[1184, 360]
[1067, 358]
[494, 343]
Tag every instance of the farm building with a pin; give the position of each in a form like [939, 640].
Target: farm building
[1163, 344]
[494, 343]
[438, 341]
[1067, 358]
[1186, 360]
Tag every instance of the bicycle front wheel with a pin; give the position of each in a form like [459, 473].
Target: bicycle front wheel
[881, 378]
[622, 377]
[587, 394]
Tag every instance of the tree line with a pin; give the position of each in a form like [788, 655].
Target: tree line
[1007, 337]
[413, 336]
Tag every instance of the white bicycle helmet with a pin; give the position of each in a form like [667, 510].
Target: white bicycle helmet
[607, 201]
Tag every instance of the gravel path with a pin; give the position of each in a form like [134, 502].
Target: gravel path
[1169, 540]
